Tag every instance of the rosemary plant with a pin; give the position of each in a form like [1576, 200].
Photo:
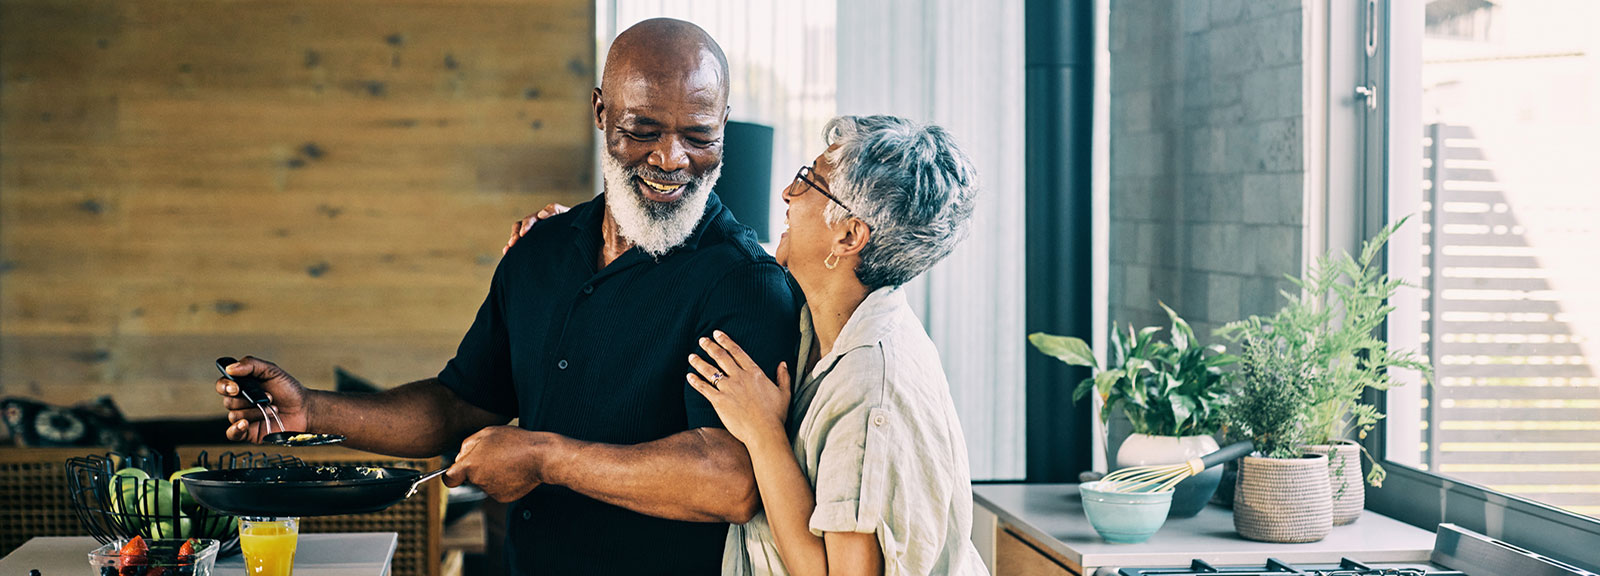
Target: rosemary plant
[1270, 400]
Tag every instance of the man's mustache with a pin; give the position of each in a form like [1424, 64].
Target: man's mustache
[662, 176]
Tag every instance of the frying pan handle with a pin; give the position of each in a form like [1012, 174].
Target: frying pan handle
[423, 479]
[249, 386]
[1233, 451]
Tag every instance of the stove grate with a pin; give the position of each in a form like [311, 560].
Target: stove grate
[1276, 567]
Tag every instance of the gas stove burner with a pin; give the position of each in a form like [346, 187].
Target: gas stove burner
[1453, 548]
[1348, 567]
[1376, 572]
[1276, 567]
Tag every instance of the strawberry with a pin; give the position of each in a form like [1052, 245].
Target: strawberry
[134, 547]
[133, 557]
[187, 549]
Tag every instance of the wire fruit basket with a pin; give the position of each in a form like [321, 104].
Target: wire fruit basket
[117, 497]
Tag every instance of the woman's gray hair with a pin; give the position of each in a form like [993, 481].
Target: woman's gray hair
[909, 183]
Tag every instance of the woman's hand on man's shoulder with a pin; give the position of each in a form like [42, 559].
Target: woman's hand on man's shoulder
[521, 227]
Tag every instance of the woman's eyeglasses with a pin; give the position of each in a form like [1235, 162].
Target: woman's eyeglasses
[804, 175]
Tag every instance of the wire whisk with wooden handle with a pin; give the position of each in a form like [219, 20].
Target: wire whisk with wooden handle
[1165, 478]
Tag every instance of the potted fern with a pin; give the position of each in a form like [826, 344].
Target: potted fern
[1282, 493]
[1168, 389]
[1331, 329]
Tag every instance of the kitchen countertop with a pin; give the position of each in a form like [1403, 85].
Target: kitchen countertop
[1051, 516]
[340, 554]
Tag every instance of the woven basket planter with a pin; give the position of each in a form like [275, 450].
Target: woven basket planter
[1344, 480]
[1283, 499]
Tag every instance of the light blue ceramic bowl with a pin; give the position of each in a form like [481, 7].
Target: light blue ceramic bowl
[1124, 518]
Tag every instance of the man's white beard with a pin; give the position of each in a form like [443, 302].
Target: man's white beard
[654, 227]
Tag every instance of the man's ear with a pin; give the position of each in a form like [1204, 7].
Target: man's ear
[725, 111]
[853, 239]
[600, 111]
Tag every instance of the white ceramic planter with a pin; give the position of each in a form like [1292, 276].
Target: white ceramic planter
[1192, 494]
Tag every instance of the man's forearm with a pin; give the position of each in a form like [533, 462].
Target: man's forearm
[417, 420]
[700, 475]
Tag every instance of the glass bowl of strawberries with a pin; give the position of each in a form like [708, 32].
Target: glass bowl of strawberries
[139, 557]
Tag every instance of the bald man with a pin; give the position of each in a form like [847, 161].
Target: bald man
[617, 465]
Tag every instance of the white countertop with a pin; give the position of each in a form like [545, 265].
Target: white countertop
[1052, 516]
[344, 554]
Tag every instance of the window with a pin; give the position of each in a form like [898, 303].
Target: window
[1508, 218]
[1503, 442]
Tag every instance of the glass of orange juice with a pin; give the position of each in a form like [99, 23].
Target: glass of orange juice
[268, 545]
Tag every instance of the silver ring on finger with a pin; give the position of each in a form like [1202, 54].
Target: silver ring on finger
[717, 377]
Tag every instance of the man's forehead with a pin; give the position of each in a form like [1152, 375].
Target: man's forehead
[660, 116]
[693, 83]
[698, 76]
[663, 107]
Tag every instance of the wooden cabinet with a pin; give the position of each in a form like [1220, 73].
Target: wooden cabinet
[1008, 553]
[1014, 556]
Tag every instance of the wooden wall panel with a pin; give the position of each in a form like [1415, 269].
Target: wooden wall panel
[317, 183]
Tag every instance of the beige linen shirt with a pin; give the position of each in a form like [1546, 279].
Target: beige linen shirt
[875, 431]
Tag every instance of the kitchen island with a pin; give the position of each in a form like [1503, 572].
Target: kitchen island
[341, 554]
[1040, 529]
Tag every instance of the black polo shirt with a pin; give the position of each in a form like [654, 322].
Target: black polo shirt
[600, 355]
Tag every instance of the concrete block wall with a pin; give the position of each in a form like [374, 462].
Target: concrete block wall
[1207, 159]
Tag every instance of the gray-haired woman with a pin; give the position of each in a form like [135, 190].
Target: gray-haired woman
[865, 469]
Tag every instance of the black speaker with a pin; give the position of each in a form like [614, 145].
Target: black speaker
[746, 183]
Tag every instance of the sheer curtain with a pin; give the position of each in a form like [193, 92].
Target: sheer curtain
[959, 64]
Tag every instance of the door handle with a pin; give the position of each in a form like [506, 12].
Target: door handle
[1370, 94]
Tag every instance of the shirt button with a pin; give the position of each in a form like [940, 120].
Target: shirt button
[878, 420]
[527, 514]
[588, 289]
[562, 364]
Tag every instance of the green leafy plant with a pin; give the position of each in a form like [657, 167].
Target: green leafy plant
[1166, 388]
[1331, 329]
[1270, 399]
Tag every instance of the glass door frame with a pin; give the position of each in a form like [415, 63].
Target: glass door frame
[1389, 168]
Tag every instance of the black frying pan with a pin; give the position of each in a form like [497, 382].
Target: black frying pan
[304, 490]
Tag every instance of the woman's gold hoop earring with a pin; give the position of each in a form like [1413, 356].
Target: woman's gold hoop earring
[831, 261]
